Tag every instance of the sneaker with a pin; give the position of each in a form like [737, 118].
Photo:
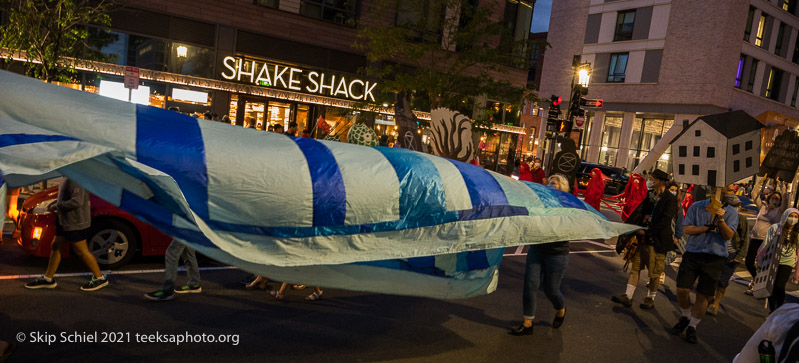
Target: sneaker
[681, 325]
[662, 278]
[186, 289]
[649, 303]
[95, 284]
[160, 295]
[690, 335]
[751, 289]
[623, 299]
[41, 283]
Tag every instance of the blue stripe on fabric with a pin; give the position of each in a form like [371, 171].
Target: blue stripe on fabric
[483, 188]
[546, 194]
[19, 139]
[492, 212]
[173, 143]
[155, 215]
[329, 196]
[422, 194]
[476, 260]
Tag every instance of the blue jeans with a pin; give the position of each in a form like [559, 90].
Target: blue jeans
[174, 252]
[546, 269]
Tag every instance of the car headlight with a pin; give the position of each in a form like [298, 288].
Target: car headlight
[41, 208]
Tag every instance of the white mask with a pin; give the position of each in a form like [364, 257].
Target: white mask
[537, 165]
[649, 184]
[673, 193]
[791, 220]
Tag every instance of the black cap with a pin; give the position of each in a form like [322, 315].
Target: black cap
[659, 174]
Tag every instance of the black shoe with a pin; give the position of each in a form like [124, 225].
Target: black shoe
[95, 284]
[41, 283]
[623, 299]
[690, 335]
[649, 303]
[522, 330]
[559, 320]
[681, 325]
[247, 280]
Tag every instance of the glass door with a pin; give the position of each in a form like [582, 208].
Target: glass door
[279, 115]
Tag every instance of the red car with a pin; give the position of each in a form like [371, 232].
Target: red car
[114, 237]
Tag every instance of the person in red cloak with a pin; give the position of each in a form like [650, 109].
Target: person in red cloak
[596, 188]
[538, 172]
[524, 170]
[634, 194]
[688, 199]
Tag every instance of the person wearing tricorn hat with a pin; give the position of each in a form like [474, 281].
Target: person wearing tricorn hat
[705, 253]
[657, 239]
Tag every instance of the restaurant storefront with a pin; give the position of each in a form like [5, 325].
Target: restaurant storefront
[499, 147]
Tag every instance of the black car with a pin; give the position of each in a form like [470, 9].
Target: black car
[614, 186]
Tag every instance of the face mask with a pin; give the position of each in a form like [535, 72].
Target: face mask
[792, 220]
[775, 203]
[537, 165]
[650, 184]
[673, 193]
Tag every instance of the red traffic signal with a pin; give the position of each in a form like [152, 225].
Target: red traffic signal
[555, 100]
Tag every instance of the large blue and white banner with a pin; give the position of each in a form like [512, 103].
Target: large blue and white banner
[294, 209]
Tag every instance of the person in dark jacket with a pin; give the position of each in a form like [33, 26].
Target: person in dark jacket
[658, 239]
[72, 225]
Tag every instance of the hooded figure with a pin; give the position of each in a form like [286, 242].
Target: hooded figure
[596, 188]
[634, 194]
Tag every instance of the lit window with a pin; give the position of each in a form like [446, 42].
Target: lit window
[740, 71]
[760, 28]
[774, 83]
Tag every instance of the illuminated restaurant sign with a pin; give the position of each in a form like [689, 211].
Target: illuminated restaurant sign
[297, 79]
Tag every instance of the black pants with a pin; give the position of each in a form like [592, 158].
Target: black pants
[778, 292]
[751, 254]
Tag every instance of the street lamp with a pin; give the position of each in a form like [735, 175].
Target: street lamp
[583, 77]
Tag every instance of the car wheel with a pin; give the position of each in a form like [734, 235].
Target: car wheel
[113, 243]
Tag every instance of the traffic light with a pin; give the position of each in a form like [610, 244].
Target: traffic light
[554, 107]
[565, 126]
[578, 101]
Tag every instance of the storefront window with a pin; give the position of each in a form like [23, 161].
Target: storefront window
[647, 132]
[138, 51]
[279, 114]
[254, 112]
[611, 133]
[191, 60]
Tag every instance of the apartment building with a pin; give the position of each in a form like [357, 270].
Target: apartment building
[658, 63]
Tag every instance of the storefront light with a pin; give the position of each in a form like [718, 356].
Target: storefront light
[117, 90]
[182, 51]
[664, 156]
[604, 148]
[189, 96]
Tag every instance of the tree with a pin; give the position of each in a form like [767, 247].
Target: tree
[440, 53]
[48, 31]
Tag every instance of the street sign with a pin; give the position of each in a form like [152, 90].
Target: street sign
[579, 121]
[594, 103]
[132, 77]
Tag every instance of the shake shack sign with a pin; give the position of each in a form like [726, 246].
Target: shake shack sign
[297, 79]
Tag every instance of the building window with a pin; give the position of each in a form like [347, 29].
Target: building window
[683, 151]
[749, 162]
[736, 166]
[749, 18]
[624, 25]
[761, 25]
[778, 46]
[740, 72]
[786, 4]
[422, 18]
[736, 149]
[711, 152]
[267, 3]
[795, 57]
[751, 83]
[695, 169]
[774, 83]
[696, 150]
[681, 169]
[698, 133]
[618, 67]
[795, 90]
[340, 12]
[711, 177]
[518, 18]
[748, 145]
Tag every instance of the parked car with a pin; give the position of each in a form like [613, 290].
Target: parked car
[614, 186]
[115, 236]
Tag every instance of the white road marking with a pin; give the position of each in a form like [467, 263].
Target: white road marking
[107, 273]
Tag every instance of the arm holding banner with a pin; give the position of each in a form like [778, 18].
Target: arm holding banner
[756, 191]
